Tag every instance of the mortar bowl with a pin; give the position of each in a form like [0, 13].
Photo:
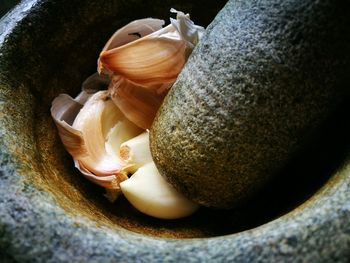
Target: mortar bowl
[49, 212]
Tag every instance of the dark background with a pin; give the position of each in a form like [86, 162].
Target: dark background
[6, 5]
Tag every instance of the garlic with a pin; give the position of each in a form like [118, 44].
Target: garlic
[84, 131]
[102, 129]
[143, 64]
[149, 193]
[136, 152]
[147, 190]
[148, 61]
[132, 31]
[139, 104]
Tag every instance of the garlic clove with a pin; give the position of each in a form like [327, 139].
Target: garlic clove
[95, 121]
[89, 122]
[132, 31]
[148, 61]
[149, 193]
[138, 104]
[136, 151]
[84, 130]
[143, 65]
[123, 131]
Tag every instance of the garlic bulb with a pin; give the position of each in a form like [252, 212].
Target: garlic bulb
[85, 130]
[103, 127]
[143, 64]
[149, 193]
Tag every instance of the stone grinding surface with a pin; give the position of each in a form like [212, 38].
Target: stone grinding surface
[263, 78]
[34, 227]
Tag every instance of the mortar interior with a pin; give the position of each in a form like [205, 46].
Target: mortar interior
[53, 50]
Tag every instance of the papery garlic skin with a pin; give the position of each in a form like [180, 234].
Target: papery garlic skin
[93, 121]
[138, 104]
[128, 33]
[147, 65]
[87, 126]
[187, 29]
[138, 64]
[149, 193]
[152, 60]
[136, 151]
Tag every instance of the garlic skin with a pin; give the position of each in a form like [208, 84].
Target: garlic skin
[139, 104]
[84, 125]
[137, 66]
[149, 193]
[152, 60]
[130, 32]
[136, 151]
[143, 60]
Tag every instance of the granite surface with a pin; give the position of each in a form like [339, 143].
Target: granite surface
[254, 91]
[49, 214]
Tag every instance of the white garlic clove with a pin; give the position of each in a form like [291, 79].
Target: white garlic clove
[123, 131]
[149, 193]
[136, 151]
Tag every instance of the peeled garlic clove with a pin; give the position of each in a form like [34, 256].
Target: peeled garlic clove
[136, 151]
[149, 193]
[121, 132]
[138, 104]
[130, 32]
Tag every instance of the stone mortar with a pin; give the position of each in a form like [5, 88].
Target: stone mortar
[49, 213]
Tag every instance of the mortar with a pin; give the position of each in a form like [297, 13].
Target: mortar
[50, 212]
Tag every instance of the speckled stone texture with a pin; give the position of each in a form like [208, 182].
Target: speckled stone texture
[48, 213]
[255, 90]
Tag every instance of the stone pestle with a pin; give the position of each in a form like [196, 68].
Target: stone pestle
[257, 87]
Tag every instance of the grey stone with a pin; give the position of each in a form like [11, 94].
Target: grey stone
[253, 93]
[49, 213]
